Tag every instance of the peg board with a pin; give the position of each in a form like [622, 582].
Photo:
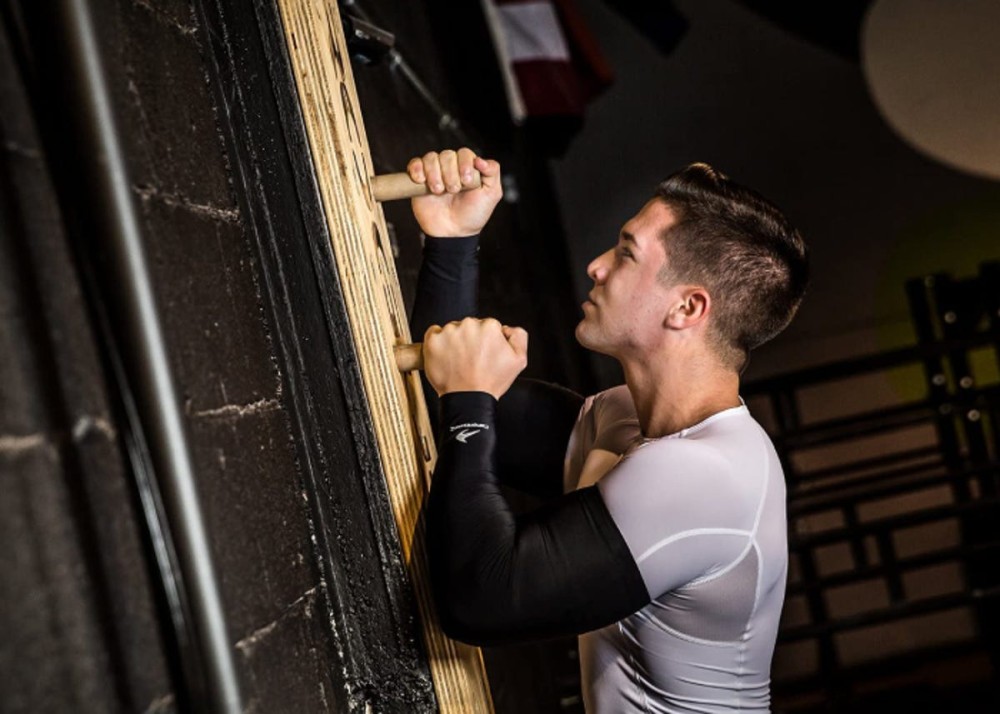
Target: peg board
[342, 162]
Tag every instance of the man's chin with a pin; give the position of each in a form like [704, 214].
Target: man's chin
[585, 336]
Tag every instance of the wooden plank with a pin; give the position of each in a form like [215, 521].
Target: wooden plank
[342, 161]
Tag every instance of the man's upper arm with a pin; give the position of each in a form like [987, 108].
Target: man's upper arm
[560, 569]
[677, 506]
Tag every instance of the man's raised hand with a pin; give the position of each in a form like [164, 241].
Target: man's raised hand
[448, 211]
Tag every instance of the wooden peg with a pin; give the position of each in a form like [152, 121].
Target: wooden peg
[392, 187]
[409, 357]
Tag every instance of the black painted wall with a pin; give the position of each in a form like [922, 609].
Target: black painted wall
[319, 610]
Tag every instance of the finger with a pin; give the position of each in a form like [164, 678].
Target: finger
[491, 323]
[487, 167]
[466, 165]
[431, 331]
[430, 342]
[416, 169]
[432, 170]
[492, 329]
[518, 340]
[490, 171]
[449, 171]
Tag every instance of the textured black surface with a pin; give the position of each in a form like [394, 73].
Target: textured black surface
[77, 604]
[319, 606]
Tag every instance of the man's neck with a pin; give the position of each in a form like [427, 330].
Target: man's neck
[671, 394]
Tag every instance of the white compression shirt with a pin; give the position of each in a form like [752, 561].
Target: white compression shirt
[703, 514]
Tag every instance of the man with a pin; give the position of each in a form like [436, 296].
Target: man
[667, 552]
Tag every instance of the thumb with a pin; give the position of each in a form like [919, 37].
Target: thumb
[517, 338]
[489, 170]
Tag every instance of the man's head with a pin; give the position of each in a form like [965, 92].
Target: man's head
[742, 249]
[726, 259]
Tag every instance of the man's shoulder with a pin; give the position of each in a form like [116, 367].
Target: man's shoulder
[613, 403]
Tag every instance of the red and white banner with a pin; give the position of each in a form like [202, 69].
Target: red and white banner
[551, 63]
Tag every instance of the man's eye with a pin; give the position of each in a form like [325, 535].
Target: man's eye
[624, 253]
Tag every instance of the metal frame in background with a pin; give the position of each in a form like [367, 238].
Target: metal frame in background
[952, 319]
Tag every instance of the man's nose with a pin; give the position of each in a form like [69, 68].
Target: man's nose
[598, 268]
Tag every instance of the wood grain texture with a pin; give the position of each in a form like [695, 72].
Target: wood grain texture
[340, 155]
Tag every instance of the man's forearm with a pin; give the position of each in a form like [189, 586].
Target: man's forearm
[448, 283]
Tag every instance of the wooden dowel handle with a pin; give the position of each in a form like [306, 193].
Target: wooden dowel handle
[392, 187]
[409, 357]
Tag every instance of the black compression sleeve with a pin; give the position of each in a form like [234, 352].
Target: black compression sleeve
[562, 569]
[447, 283]
[535, 417]
[534, 422]
[447, 290]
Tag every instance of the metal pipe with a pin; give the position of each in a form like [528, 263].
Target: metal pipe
[398, 63]
[67, 60]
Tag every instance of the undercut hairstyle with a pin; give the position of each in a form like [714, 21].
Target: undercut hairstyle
[741, 248]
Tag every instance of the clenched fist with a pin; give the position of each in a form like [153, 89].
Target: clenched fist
[448, 211]
[474, 356]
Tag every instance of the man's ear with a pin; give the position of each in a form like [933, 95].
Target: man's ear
[689, 306]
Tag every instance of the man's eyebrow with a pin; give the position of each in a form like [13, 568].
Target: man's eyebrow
[626, 236]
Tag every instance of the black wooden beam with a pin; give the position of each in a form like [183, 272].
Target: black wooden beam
[369, 599]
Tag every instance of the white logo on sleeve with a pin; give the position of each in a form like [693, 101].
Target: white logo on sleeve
[465, 431]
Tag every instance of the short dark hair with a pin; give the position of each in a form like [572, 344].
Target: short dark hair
[740, 247]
